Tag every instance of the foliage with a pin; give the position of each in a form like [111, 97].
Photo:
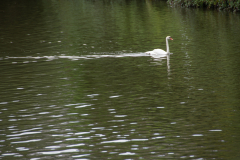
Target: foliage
[233, 5]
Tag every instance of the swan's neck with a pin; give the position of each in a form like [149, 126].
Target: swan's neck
[167, 46]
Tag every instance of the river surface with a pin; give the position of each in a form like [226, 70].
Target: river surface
[76, 84]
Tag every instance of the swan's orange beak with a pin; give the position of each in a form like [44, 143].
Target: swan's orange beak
[171, 38]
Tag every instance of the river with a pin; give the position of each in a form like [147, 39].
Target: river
[76, 84]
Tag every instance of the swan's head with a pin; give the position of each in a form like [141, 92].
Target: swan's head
[169, 37]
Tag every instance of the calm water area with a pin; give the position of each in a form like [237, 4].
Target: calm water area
[76, 84]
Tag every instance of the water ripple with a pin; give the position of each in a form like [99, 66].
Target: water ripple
[117, 141]
[59, 152]
[75, 145]
[32, 140]
[21, 134]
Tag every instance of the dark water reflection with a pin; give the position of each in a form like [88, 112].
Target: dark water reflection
[75, 83]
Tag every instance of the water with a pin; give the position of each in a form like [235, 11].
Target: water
[75, 82]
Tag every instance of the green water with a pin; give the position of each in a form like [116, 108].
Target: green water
[76, 84]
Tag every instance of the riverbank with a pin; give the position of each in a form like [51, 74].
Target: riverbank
[228, 5]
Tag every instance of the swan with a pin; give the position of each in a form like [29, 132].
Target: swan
[160, 51]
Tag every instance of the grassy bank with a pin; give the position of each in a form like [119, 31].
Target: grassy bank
[231, 5]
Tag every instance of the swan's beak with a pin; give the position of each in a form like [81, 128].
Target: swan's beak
[171, 38]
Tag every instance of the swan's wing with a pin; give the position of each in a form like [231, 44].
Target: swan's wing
[159, 51]
[150, 52]
[161, 56]
[156, 52]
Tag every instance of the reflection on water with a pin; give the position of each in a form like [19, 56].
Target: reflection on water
[157, 58]
[76, 84]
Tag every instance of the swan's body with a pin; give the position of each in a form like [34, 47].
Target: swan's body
[160, 51]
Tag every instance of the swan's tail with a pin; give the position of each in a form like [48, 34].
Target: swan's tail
[148, 52]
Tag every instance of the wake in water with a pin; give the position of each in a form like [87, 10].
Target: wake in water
[156, 58]
[81, 57]
[92, 56]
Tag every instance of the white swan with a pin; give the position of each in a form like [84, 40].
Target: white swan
[160, 51]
